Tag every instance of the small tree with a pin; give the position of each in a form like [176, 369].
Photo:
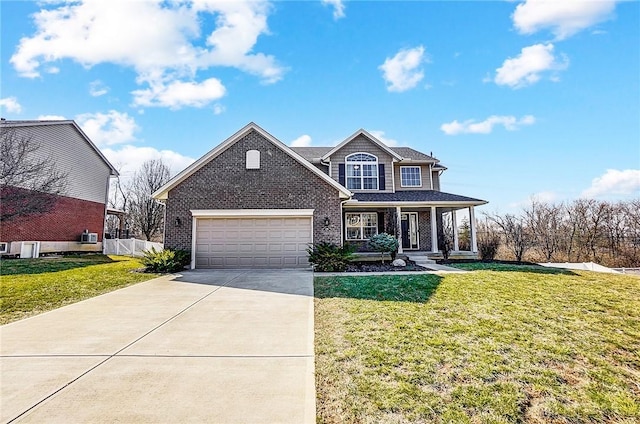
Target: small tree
[29, 179]
[384, 243]
[464, 237]
[488, 240]
[445, 236]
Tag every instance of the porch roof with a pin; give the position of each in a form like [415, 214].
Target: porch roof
[413, 197]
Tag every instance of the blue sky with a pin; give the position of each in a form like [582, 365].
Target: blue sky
[517, 99]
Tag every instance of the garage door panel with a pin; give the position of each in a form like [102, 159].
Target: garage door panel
[274, 242]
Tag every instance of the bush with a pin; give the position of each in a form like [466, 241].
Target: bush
[488, 246]
[329, 257]
[384, 243]
[166, 260]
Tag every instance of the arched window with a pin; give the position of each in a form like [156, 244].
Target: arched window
[362, 171]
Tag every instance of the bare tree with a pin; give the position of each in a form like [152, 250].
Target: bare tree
[29, 180]
[544, 221]
[445, 236]
[146, 215]
[516, 234]
[488, 240]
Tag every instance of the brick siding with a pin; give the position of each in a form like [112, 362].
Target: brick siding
[68, 218]
[225, 183]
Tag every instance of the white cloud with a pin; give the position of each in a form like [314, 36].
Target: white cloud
[106, 129]
[563, 18]
[177, 94]
[51, 118]
[380, 136]
[338, 8]
[97, 88]
[470, 126]
[302, 141]
[11, 105]
[167, 52]
[218, 109]
[128, 159]
[402, 72]
[615, 182]
[526, 69]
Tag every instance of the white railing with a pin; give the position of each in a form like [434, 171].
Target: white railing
[129, 247]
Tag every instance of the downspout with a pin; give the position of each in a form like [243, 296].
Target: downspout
[431, 175]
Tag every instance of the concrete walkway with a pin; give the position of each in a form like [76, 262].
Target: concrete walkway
[204, 346]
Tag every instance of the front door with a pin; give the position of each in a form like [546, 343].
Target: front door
[409, 227]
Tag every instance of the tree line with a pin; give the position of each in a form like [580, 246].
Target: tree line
[583, 230]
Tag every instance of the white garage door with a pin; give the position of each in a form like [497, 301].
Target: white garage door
[264, 242]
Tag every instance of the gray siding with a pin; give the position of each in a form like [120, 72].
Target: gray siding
[436, 180]
[363, 144]
[88, 175]
[280, 183]
[424, 173]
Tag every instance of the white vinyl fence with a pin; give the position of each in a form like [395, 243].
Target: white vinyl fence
[129, 247]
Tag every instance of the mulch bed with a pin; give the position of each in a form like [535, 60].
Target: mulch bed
[379, 267]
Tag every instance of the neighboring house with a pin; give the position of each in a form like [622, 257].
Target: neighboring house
[82, 208]
[254, 202]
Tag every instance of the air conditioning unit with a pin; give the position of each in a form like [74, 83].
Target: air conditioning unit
[88, 238]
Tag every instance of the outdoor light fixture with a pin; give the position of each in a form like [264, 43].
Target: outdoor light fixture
[178, 222]
[326, 221]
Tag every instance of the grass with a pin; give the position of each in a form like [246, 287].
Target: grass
[503, 344]
[32, 286]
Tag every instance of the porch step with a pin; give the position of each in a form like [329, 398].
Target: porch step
[420, 260]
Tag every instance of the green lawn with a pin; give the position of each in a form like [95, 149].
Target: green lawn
[32, 286]
[502, 344]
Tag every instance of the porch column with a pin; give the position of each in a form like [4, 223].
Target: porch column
[434, 230]
[454, 223]
[399, 227]
[472, 224]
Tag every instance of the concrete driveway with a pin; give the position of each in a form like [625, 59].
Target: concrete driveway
[203, 346]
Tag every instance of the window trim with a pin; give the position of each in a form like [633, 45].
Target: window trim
[402, 184]
[362, 177]
[360, 225]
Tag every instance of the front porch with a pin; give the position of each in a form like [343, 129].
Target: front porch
[423, 228]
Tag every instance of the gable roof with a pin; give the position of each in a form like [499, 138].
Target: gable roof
[163, 192]
[36, 123]
[408, 153]
[370, 137]
[311, 153]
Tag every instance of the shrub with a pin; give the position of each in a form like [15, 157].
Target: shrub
[384, 243]
[166, 260]
[329, 257]
[488, 246]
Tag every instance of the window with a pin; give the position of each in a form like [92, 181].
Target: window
[361, 226]
[253, 159]
[410, 176]
[362, 171]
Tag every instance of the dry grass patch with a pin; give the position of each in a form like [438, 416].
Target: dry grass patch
[492, 346]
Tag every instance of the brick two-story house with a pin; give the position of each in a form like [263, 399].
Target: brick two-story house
[252, 201]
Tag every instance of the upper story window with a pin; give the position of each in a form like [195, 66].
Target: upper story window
[362, 171]
[410, 176]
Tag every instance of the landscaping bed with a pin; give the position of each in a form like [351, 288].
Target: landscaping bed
[378, 266]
